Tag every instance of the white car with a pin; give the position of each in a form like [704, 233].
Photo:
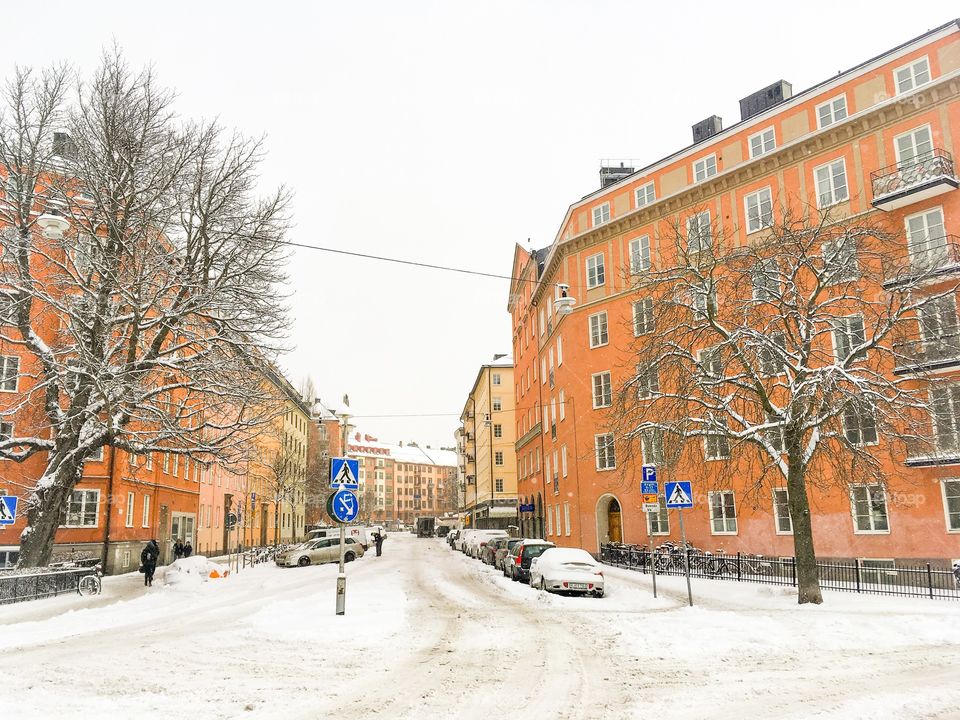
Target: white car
[567, 570]
[480, 538]
[463, 539]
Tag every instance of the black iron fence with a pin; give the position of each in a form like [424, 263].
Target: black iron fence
[18, 587]
[877, 577]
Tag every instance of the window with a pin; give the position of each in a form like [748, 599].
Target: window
[939, 328]
[840, 261]
[176, 465]
[877, 570]
[602, 390]
[566, 518]
[497, 430]
[859, 424]
[914, 146]
[601, 214]
[711, 364]
[772, 355]
[913, 75]
[9, 373]
[8, 301]
[868, 503]
[705, 168]
[945, 402]
[658, 523]
[765, 279]
[699, 235]
[652, 444]
[559, 350]
[640, 254]
[927, 238]
[557, 510]
[549, 520]
[831, 182]
[759, 206]
[762, 142]
[82, 509]
[498, 458]
[543, 370]
[781, 511]
[166, 462]
[598, 329]
[497, 405]
[606, 457]
[645, 194]
[648, 381]
[717, 447]
[951, 504]
[128, 518]
[562, 402]
[723, 513]
[6, 430]
[704, 301]
[563, 461]
[848, 333]
[496, 378]
[595, 274]
[831, 111]
[498, 485]
[643, 317]
[149, 462]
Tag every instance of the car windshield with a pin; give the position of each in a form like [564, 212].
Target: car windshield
[532, 551]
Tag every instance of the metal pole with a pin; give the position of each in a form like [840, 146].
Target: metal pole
[653, 563]
[686, 558]
[342, 576]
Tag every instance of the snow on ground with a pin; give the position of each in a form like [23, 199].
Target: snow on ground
[431, 633]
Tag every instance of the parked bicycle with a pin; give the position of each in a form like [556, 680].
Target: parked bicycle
[91, 584]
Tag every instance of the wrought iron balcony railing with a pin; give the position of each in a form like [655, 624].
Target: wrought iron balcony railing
[930, 354]
[932, 257]
[928, 175]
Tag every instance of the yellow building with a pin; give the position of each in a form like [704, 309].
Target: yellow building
[486, 445]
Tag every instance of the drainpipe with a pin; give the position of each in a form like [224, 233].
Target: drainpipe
[106, 524]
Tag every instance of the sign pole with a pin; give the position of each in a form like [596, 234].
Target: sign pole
[650, 496]
[653, 565]
[686, 557]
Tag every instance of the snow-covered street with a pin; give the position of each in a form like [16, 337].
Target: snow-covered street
[430, 633]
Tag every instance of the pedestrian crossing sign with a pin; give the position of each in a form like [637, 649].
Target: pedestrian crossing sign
[678, 494]
[8, 509]
[344, 473]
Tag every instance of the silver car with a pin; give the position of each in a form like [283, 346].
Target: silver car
[318, 551]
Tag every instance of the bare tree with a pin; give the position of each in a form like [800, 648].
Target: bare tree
[286, 483]
[146, 306]
[776, 357]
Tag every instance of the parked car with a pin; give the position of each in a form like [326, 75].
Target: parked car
[567, 570]
[452, 538]
[516, 565]
[443, 530]
[320, 550]
[463, 539]
[488, 553]
[503, 550]
[480, 538]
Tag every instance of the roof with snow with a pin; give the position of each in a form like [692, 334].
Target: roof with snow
[367, 445]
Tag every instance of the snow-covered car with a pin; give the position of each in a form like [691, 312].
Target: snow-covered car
[462, 540]
[480, 538]
[193, 571]
[567, 570]
[516, 565]
[320, 550]
[503, 550]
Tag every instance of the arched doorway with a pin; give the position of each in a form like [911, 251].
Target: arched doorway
[538, 520]
[609, 520]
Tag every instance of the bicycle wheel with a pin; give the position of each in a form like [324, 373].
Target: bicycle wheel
[88, 585]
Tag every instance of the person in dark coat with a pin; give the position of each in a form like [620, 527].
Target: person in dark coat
[148, 558]
[187, 549]
[177, 550]
[378, 539]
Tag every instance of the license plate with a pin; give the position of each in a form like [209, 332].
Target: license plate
[578, 586]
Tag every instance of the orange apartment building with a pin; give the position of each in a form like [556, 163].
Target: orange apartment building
[880, 140]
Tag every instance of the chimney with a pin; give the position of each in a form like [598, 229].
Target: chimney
[707, 128]
[764, 99]
[610, 174]
[63, 145]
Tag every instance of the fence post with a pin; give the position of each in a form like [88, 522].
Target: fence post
[930, 580]
[738, 566]
[793, 572]
[856, 569]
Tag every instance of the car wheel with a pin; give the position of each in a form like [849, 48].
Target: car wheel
[598, 593]
[349, 557]
[543, 584]
[304, 561]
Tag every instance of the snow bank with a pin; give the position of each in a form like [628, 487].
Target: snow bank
[192, 572]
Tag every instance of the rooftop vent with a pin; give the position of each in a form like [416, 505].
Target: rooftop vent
[707, 128]
[610, 173]
[762, 99]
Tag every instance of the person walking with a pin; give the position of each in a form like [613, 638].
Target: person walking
[187, 549]
[148, 559]
[378, 539]
[177, 549]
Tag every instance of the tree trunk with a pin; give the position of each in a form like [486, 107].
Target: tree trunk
[44, 511]
[808, 582]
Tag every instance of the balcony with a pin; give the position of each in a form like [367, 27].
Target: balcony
[926, 260]
[927, 355]
[927, 176]
[943, 449]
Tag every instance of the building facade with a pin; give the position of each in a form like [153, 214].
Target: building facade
[876, 141]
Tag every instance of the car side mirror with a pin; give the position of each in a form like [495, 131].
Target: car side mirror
[533, 561]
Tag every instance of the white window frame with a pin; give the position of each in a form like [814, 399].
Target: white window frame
[724, 518]
[603, 329]
[766, 142]
[776, 514]
[559, 350]
[557, 510]
[833, 111]
[858, 417]
[596, 276]
[663, 518]
[824, 199]
[6, 376]
[842, 328]
[912, 77]
[83, 506]
[946, 506]
[497, 459]
[835, 251]
[608, 443]
[912, 134]
[698, 219]
[497, 430]
[648, 381]
[645, 195]
[601, 214]
[702, 167]
[645, 315]
[639, 249]
[655, 436]
[131, 506]
[498, 485]
[549, 520]
[563, 463]
[562, 402]
[853, 510]
[497, 404]
[605, 387]
[495, 378]
[566, 519]
[758, 218]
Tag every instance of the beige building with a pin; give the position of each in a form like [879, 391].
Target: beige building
[486, 445]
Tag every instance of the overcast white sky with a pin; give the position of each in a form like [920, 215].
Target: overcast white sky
[446, 132]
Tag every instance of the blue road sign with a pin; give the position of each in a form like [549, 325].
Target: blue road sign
[648, 473]
[529, 507]
[8, 509]
[678, 494]
[344, 473]
[345, 506]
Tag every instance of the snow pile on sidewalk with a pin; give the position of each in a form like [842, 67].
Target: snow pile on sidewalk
[192, 571]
